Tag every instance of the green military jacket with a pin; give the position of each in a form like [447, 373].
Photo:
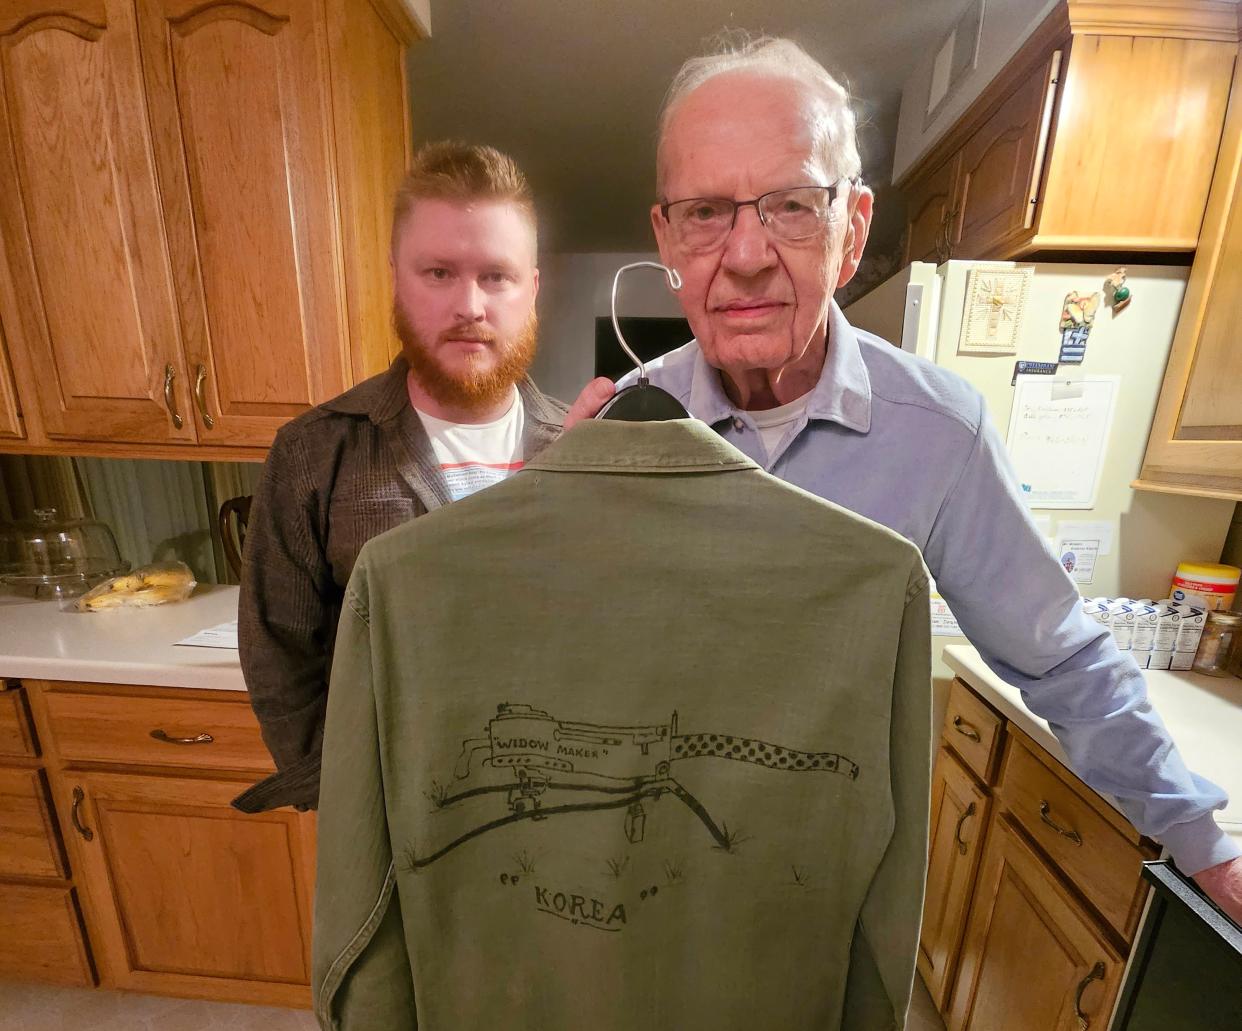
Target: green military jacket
[638, 739]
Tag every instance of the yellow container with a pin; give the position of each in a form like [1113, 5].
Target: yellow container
[1205, 583]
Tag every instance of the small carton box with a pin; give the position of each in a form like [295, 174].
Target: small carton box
[1145, 622]
[1194, 617]
[1168, 622]
[1121, 622]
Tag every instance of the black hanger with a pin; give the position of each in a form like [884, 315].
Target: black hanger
[641, 402]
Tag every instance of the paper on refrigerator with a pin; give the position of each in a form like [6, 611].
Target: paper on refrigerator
[1058, 438]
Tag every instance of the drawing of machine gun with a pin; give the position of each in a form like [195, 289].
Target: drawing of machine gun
[617, 767]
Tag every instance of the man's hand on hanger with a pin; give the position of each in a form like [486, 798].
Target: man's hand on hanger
[593, 397]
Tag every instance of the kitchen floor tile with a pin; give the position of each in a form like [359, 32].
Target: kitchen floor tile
[32, 1007]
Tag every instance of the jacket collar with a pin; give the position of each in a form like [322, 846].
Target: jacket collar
[613, 446]
[841, 395]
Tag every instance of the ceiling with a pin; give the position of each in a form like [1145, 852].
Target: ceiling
[571, 89]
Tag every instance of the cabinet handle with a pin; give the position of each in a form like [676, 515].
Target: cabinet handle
[198, 739]
[946, 251]
[966, 729]
[1097, 974]
[200, 396]
[1044, 810]
[942, 238]
[968, 812]
[170, 402]
[86, 832]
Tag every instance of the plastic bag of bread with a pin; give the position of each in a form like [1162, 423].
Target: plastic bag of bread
[156, 584]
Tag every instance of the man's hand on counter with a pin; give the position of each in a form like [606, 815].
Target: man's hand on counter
[1223, 885]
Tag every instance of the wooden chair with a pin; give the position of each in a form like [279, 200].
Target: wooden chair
[234, 514]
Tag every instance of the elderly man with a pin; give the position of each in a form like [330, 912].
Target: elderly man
[454, 413]
[762, 213]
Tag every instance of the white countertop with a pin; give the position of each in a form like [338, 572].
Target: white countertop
[120, 646]
[1204, 715]
[138, 646]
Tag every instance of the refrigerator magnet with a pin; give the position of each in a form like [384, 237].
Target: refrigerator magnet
[1025, 368]
[1077, 317]
[1116, 293]
[1073, 345]
[1079, 309]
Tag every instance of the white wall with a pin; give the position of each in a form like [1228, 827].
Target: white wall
[573, 290]
[1007, 24]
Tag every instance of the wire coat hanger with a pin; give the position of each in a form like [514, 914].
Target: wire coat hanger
[641, 401]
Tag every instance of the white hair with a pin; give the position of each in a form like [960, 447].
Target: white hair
[834, 127]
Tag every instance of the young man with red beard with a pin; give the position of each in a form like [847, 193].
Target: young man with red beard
[454, 413]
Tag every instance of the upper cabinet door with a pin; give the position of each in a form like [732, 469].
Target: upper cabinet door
[10, 419]
[1195, 446]
[998, 183]
[239, 110]
[88, 272]
[929, 212]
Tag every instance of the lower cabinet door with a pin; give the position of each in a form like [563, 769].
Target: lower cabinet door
[959, 814]
[187, 896]
[1032, 959]
[42, 936]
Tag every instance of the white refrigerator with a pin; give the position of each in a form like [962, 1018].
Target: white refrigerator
[921, 309]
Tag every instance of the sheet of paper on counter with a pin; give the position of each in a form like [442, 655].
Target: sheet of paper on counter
[1058, 438]
[222, 636]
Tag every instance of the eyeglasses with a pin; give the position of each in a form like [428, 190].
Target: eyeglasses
[703, 223]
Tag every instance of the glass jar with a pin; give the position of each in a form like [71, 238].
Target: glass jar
[1219, 634]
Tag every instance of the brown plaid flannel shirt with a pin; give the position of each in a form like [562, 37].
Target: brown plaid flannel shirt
[335, 477]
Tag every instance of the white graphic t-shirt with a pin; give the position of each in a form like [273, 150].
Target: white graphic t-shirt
[474, 456]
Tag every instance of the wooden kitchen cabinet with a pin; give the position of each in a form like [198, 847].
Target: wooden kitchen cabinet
[1032, 879]
[29, 843]
[1195, 445]
[959, 814]
[191, 897]
[998, 184]
[17, 738]
[1101, 134]
[10, 413]
[1031, 960]
[180, 894]
[1097, 850]
[929, 203]
[196, 248]
[42, 936]
[248, 212]
[94, 331]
